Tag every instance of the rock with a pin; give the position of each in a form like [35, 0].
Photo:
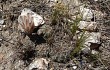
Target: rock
[94, 37]
[1, 56]
[45, 29]
[6, 34]
[1, 20]
[76, 2]
[1, 39]
[39, 63]
[94, 52]
[89, 26]
[66, 69]
[91, 37]
[2, 27]
[95, 0]
[86, 50]
[98, 14]
[52, 2]
[75, 67]
[28, 20]
[20, 0]
[18, 64]
[87, 14]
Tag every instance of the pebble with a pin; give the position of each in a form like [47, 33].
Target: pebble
[1, 39]
[39, 63]
[95, 0]
[74, 67]
[86, 50]
[90, 26]
[94, 52]
[1, 56]
[1, 21]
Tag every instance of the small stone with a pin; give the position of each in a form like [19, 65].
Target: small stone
[91, 37]
[86, 50]
[94, 52]
[1, 21]
[75, 67]
[52, 2]
[65, 69]
[87, 14]
[51, 68]
[89, 26]
[76, 2]
[4, 25]
[39, 63]
[20, 0]
[45, 29]
[1, 40]
[90, 65]
[1, 56]
[95, 0]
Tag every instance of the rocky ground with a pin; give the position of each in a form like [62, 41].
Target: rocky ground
[52, 49]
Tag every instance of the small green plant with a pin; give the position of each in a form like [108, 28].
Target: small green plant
[80, 40]
[75, 25]
[59, 12]
[79, 44]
